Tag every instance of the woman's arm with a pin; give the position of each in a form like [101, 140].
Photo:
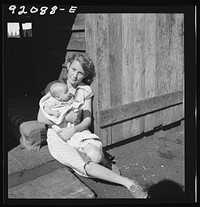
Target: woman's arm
[87, 114]
[66, 133]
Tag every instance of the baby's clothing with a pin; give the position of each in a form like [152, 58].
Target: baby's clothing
[55, 105]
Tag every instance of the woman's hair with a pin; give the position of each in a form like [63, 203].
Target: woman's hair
[86, 64]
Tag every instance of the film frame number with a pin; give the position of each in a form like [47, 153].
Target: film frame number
[42, 10]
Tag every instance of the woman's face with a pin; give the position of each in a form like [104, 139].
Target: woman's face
[75, 73]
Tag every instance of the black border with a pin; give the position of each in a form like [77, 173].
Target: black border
[190, 46]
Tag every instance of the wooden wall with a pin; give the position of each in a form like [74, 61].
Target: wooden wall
[139, 60]
[77, 39]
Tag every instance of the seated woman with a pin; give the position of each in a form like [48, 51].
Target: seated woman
[85, 157]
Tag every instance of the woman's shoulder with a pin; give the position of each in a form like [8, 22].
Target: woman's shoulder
[86, 89]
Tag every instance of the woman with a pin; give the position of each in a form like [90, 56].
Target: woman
[85, 156]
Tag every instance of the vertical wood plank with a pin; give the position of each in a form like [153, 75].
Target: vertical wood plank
[127, 69]
[178, 63]
[95, 46]
[127, 59]
[102, 64]
[178, 60]
[90, 50]
[150, 64]
[168, 65]
[115, 67]
[175, 66]
[90, 36]
[160, 57]
[180, 74]
[180, 48]
[139, 66]
[115, 56]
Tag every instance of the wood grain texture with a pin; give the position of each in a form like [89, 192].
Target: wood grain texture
[102, 54]
[79, 23]
[102, 63]
[115, 68]
[169, 69]
[150, 64]
[97, 49]
[128, 126]
[139, 108]
[77, 41]
[139, 66]
[160, 57]
[137, 57]
[90, 34]
[174, 65]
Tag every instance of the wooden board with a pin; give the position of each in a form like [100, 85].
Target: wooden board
[139, 108]
[102, 61]
[150, 64]
[77, 41]
[97, 39]
[127, 70]
[79, 23]
[115, 67]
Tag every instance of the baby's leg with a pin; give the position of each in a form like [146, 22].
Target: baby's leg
[94, 152]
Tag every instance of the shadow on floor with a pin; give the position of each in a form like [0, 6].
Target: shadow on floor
[167, 190]
[144, 134]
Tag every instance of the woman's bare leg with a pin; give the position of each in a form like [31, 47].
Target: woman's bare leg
[101, 172]
[98, 171]
[97, 156]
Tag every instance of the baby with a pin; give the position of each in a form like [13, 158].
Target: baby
[58, 103]
[59, 97]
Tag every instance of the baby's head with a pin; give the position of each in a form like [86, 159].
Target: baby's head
[60, 92]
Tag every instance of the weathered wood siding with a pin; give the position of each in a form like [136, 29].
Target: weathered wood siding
[77, 39]
[139, 59]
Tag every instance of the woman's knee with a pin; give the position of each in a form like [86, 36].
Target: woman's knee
[90, 168]
[94, 153]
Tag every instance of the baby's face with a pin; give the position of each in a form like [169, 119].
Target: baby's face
[65, 96]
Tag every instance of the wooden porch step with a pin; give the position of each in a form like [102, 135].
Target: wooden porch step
[58, 184]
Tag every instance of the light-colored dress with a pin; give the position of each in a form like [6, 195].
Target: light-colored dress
[71, 152]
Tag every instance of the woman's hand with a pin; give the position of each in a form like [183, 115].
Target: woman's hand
[66, 133]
